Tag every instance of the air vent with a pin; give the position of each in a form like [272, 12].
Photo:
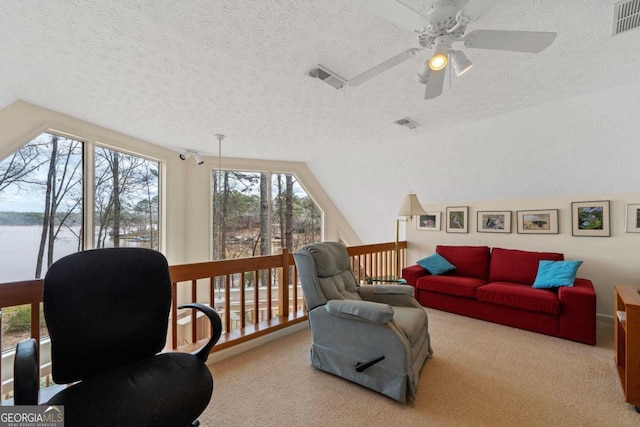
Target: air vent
[626, 16]
[330, 78]
[408, 123]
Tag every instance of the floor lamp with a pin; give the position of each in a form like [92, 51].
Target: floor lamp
[410, 207]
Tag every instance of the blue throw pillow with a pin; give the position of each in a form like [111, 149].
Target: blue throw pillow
[553, 274]
[436, 264]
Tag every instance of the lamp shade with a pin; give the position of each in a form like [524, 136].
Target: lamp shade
[411, 206]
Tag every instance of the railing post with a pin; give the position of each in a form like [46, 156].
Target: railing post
[283, 285]
[35, 323]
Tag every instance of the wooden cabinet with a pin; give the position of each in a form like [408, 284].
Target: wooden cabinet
[627, 341]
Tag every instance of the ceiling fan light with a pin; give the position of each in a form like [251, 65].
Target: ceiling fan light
[438, 61]
[423, 75]
[460, 62]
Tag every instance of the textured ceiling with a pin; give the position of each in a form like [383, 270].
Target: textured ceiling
[176, 72]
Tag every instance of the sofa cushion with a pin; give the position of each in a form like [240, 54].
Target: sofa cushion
[519, 296]
[452, 285]
[515, 266]
[436, 264]
[553, 274]
[470, 261]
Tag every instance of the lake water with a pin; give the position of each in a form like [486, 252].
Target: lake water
[19, 250]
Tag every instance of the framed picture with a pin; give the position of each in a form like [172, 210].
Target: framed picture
[430, 221]
[590, 218]
[538, 221]
[494, 222]
[633, 218]
[457, 221]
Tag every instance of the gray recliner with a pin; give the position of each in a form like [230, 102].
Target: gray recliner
[376, 335]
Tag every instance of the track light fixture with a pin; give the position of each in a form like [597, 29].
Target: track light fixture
[192, 153]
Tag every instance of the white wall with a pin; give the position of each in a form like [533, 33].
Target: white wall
[583, 145]
[607, 260]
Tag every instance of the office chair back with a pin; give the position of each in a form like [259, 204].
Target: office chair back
[119, 312]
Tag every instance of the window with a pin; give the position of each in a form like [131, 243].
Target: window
[258, 213]
[41, 205]
[126, 200]
[42, 202]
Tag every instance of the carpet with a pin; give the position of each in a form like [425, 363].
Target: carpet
[481, 374]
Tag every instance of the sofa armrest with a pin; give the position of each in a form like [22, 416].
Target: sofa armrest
[582, 288]
[412, 273]
[360, 310]
[578, 311]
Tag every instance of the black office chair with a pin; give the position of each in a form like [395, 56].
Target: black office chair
[107, 311]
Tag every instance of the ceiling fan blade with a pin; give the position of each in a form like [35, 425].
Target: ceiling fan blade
[397, 13]
[434, 85]
[382, 67]
[476, 8]
[515, 41]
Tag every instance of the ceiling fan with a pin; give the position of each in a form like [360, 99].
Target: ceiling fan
[445, 23]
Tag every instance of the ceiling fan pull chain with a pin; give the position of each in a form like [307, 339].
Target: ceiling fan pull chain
[449, 69]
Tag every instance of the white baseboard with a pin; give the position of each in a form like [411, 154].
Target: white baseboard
[605, 318]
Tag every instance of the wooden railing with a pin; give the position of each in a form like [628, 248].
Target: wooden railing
[254, 296]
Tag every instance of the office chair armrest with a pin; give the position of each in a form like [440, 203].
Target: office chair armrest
[360, 310]
[26, 373]
[216, 329]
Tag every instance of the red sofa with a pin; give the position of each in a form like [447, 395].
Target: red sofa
[495, 285]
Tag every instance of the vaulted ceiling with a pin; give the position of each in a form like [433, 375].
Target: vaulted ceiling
[176, 72]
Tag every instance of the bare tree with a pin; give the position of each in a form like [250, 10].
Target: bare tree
[288, 223]
[20, 165]
[264, 214]
[51, 176]
[63, 178]
[118, 175]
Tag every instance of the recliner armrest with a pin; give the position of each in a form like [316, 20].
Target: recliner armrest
[360, 310]
[394, 295]
[216, 328]
[386, 289]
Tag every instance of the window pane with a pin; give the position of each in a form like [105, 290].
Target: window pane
[126, 200]
[297, 220]
[236, 214]
[260, 213]
[41, 204]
